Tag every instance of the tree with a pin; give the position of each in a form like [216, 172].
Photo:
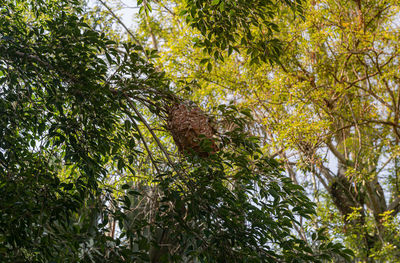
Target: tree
[80, 180]
[328, 109]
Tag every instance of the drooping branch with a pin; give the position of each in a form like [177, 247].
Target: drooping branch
[145, 145]
[155, 137]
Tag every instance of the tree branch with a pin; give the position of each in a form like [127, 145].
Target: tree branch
[338, 154]
[395, 206]
[124, 26]
[145, 145]
[143, 120]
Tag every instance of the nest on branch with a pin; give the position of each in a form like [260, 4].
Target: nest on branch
[191, 129]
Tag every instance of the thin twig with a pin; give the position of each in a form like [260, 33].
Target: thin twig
[124, 26]
[145, 145]
[152, 133]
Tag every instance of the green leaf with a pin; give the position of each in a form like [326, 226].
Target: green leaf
[204, 60]
[209, 67]
[125, 186]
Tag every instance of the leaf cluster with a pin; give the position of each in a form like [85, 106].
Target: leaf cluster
[69, 119]
[230, 26]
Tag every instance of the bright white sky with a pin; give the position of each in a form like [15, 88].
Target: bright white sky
[127, 13]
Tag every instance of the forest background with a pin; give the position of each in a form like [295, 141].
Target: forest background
[303, 103]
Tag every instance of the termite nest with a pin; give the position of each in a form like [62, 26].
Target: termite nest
[191, 129]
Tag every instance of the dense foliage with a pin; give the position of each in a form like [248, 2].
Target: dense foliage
[229, 25]
[87, 173]
[328, 109]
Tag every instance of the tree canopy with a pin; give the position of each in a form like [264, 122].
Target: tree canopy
[95, 166]
[326, 108]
